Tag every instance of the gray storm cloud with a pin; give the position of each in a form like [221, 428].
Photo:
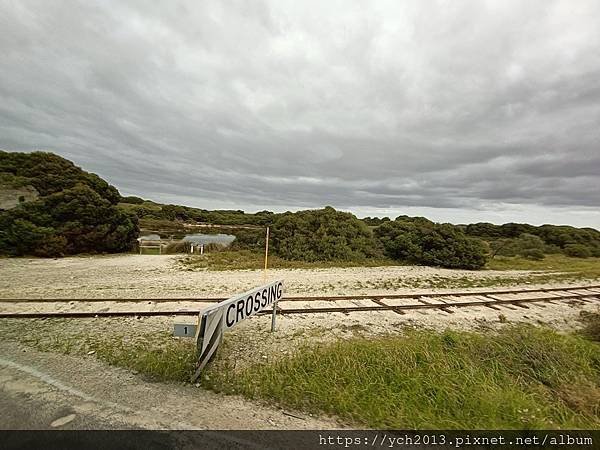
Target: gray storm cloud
[490, 109]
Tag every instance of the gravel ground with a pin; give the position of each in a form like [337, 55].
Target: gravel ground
[152, 276]
[134, 276]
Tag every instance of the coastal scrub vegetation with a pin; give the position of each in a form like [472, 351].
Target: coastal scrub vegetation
[424, 242]
[79, 212]
[512, 239]
[323, 235]
[76, 211]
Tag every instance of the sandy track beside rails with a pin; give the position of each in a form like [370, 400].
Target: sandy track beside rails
[152, 276]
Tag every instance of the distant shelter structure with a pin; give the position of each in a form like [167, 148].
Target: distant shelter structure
[151, 244]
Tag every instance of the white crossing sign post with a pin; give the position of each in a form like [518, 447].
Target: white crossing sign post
[215, 320]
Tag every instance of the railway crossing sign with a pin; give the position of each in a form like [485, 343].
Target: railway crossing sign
[215, 320]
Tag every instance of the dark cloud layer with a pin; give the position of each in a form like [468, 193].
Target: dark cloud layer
[480, 110]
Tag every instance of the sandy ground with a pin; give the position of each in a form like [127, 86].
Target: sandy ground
[153, 276]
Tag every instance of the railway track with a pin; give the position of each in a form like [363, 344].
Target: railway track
[301, 298]
[446, 302]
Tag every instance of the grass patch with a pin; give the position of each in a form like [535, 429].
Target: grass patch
[554, 268]
[523, 377]
[172, 361]
[247, 259]
[571, 267]
[591, 329]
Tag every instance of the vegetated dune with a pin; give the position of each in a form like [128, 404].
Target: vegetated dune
[11, 197]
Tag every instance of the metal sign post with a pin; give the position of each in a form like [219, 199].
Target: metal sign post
[274, 313]
[273, 316]
[215, 320]
[266, 255]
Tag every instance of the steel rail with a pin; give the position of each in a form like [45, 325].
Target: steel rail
[380, 306]
[442, 306]
[303, 298]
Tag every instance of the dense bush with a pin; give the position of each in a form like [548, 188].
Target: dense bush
[322, 235]
[423, 242]
[156, 211]
[247, 239]
[49, 173]
[213, 247]
[132, 200]
[533, 253]
[77, 214]
[526, 245]
[177, 247]
[577, 251]
[375, 221]
[555, 238]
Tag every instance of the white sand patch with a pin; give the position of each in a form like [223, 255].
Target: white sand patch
[154, 276]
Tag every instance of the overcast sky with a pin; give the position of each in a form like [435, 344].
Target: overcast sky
[459, 111]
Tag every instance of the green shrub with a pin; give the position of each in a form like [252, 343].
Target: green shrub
[322, 235]
[156, 211]
[375, 221]
[49, 174]
[532, 253]
[248, 239]
[214, 247]
[591, 329]
[529, 246]
[555, 238]
[425, 242]
[577, 251]
[551, 249]
[132, 200]
[526, 245]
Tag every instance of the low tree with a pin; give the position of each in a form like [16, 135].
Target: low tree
[322, 235]
[577, 251]
[428, 243]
